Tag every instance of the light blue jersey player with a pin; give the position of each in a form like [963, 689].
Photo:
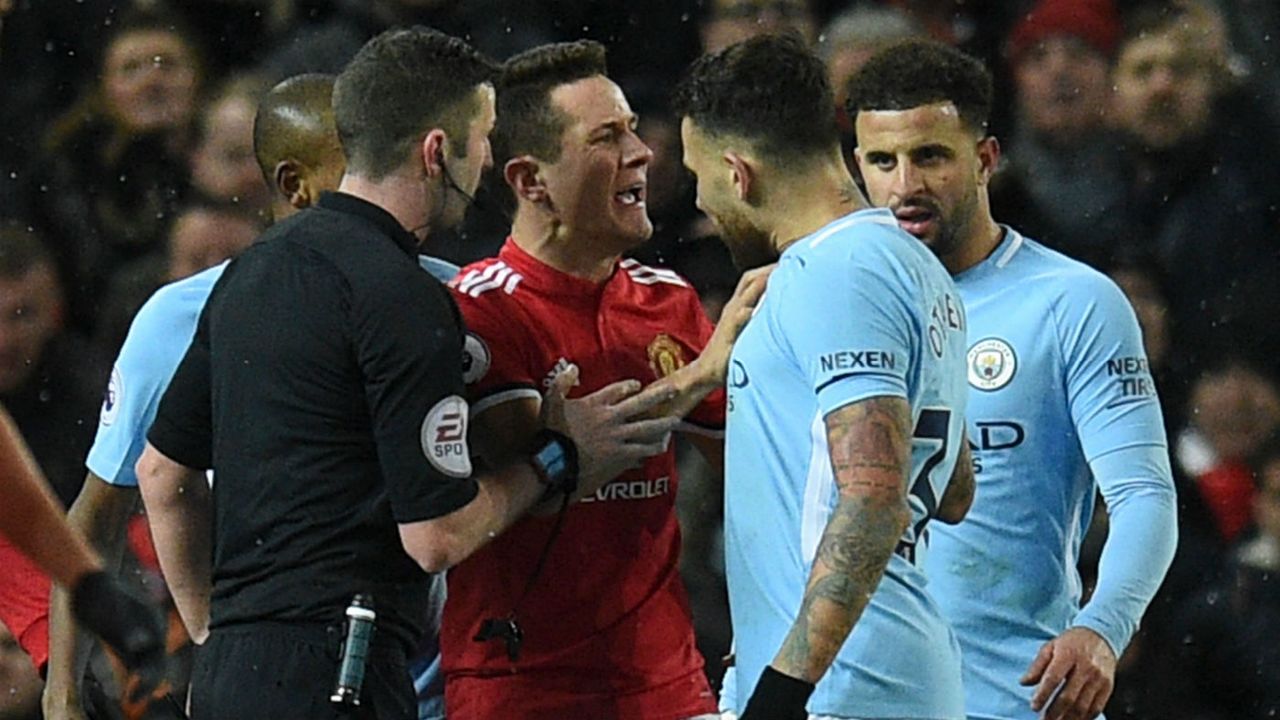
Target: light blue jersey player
[857, 310]
[156, 343]
[846, 406]
[1061, 405]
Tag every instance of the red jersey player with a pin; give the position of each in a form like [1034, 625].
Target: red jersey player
[605, 626]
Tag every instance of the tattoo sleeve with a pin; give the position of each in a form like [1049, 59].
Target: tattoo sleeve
[870, 446]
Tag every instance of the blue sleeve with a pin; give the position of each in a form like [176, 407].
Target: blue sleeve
[848, 327]
[442, 270]
[157, 340]
[729, 691]
[1117, 416]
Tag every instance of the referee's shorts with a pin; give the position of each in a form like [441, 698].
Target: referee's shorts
[282, 671]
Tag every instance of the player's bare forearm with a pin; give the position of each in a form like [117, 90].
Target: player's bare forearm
[179, 509]
[958, 498]
[690, 384]
[100, 513]
[869, 443]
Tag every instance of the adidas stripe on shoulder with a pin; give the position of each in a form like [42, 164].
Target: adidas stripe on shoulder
[482, 280]
[645, 275]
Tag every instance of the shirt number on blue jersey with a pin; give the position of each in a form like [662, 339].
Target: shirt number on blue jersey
[932, 430]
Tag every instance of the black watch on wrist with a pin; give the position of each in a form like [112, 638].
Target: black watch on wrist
[555, 460]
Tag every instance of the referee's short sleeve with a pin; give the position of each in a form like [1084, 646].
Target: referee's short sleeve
[408, 342]
[183, 428]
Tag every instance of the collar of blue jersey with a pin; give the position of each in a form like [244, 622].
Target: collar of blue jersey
[1000, 256]
[381, 219]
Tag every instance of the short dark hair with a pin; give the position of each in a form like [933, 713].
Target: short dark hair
[292, 118]
[22, 250]
[399, 86]
[920, 72]
[770, 90]
[528, 122]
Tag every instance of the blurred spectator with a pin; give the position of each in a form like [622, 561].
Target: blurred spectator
[853, 36]
[729, 21]
[115, 163]
[1062, 155]
[1262, 552]
[1226, 659]
[847, 42]
[235, 34]
[46, 51]
[1255, 26]
[1199, 194]
[223, 166]
[49, 380]
[496, 27]
[947, 21]
[1235, 412]
[20, 686]
[203, 236]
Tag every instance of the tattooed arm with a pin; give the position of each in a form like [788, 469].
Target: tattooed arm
[870, 446]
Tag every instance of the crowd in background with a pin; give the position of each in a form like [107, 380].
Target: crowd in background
[1140, 137]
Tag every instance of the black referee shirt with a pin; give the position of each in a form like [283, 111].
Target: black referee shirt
[321, 369]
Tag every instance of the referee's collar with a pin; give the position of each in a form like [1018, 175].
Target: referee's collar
[383, 220]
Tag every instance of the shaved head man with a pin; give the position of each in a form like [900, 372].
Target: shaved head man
[296, 142]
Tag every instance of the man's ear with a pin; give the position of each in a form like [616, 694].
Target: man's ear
[741, 174]
[988, 157]
[433, 151]
[521, 174]
[289, 184]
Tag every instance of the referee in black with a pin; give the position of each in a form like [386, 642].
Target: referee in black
[324, 385]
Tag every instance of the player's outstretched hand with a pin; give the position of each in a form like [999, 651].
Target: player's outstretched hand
[1083, 664]
[127, 625]
[608, 426]
[733, 318]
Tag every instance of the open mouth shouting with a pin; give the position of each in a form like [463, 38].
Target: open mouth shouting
[632, 196]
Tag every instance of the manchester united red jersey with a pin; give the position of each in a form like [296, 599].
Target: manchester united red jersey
[607, 629]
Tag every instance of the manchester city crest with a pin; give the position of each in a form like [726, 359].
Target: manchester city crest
[991, 364]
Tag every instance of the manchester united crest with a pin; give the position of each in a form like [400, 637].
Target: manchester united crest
[665, 355]
[991, 364]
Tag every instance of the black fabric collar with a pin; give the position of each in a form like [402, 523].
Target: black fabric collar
[381, 219]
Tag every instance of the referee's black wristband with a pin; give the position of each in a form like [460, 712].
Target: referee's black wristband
[778, 697]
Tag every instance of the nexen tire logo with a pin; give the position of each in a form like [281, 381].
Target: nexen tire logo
[444, 437]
